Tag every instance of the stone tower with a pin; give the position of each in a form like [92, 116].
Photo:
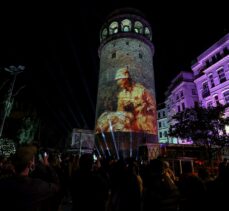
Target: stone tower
[126, 105]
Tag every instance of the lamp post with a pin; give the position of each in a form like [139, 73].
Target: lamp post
[13, 71]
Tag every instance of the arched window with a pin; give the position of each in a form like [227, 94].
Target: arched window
[147, 32]
[126, 25]
[138, 27]
[104, 33]
[113, 29]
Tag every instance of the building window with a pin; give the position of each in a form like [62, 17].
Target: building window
[159, 125]
[159, 115]
[140, 55]
[183, 106]
[160, 134]
[211, 80]
[113, 55]
[209, 104]
[221, 74]
[113, 29]
[178, 108]
[147, 32]
[177, 97]
[181, 94]
[104, 33]
[165, 134]
[226, 96]
[126, 25]
[216, 100]
[163, 114]
[193, 91]
[138, 27]
[205, 91]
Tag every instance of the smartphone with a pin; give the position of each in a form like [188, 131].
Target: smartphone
[45, 154]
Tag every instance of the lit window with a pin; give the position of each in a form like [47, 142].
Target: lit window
[126, 25]
[147, 32]
[138, 27]
[104, 33]
[113, 29]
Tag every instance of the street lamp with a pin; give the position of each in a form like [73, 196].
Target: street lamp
[13, 71]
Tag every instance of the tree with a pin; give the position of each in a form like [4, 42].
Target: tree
[206, 127]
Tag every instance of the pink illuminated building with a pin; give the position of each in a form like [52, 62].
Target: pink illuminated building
[211, 72]
[207, 84]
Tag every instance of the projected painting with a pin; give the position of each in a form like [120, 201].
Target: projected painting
[125, 105]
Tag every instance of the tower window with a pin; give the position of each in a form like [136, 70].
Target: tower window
[140, 55]
[147, 32]
[113, 55]
[127, 43]
[138, 27]
[104, 33]
[126, 25]
[113, 29]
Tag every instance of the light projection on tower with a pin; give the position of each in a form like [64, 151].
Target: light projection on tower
[135, 107]
[126, 106]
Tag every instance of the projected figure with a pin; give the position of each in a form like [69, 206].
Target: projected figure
[136, 108]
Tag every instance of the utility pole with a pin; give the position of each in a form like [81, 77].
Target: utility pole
[13, 71]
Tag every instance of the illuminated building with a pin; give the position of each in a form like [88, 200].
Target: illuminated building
[181, 94]
[211, 72]
[162, 124]
[207, 85]
[126, 106]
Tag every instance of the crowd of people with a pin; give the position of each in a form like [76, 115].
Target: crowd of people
[33, 180]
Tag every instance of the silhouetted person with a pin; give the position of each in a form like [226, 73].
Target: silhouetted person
[160, 191]
[20, 192]
[89, 191]
[192, 189]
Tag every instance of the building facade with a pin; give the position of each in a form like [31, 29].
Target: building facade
[207, 84]
[211, 72]
[181, 94]
[162, 124]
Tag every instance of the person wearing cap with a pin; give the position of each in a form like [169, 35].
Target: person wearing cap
[136, 99]
[136, 108]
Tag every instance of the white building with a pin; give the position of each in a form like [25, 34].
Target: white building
[181, 94]
[162, 124]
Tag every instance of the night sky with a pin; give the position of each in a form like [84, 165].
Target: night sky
[58, 45]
